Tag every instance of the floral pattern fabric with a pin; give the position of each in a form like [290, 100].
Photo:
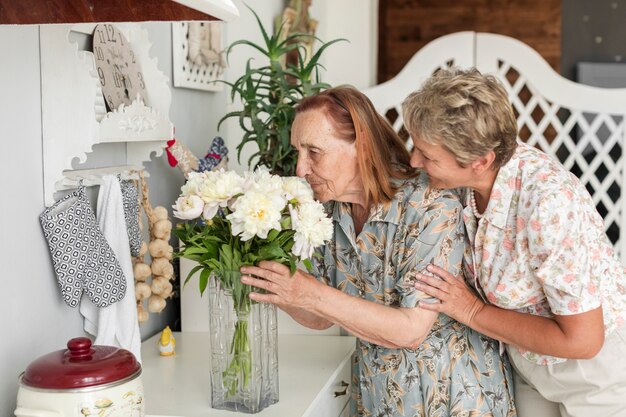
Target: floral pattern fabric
[540, 247]
[455, 371]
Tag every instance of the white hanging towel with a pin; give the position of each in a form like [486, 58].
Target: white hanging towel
[115, 325]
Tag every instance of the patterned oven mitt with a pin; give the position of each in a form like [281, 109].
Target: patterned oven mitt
[82, 258]
[130, 196]
[218, 153]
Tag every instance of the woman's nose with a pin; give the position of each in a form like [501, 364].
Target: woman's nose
[302, 168]
[416, 160]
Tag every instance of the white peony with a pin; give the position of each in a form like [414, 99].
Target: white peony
[188, 207]
[194, 180]
[254, 214]
[271, 185]
[257, 203]
[217, 188]
[312, 228]
[298, 189]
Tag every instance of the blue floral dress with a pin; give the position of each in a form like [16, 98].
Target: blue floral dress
[455, 371]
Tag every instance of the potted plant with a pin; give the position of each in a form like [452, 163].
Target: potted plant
[270, 92]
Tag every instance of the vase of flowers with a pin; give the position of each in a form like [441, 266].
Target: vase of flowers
[233, 220]
[244, 354]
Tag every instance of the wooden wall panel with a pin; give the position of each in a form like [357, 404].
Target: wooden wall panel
[405, 26]
[75, 11]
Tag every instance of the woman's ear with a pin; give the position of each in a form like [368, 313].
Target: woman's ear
[485, 162]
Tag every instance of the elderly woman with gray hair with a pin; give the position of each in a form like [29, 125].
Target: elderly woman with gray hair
[547, 282]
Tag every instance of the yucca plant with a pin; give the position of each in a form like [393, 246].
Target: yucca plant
[269, 94]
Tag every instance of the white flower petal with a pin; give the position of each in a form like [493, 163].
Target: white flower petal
[188, 207]
[210, 210]
[312, 227]
[253, 214]
[297, 189]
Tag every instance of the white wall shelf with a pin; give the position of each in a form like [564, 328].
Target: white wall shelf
[74, 116]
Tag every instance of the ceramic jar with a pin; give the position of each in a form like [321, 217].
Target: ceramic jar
[82, 380]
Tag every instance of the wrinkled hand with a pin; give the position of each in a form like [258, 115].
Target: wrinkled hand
[455, 298]
[282, 288]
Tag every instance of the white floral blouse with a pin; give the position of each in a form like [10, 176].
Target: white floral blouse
[540, 247]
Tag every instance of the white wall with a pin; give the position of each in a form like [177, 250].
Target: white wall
[352, 62]
[35, 320]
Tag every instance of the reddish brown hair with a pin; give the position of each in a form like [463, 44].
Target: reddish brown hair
[381, 154]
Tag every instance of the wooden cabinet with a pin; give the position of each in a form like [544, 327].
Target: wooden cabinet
[75, 11]
[332, 400]
[311, 370]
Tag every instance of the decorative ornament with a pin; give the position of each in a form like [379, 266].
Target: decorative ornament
[167, 343]
[296, 19]
[179, 155]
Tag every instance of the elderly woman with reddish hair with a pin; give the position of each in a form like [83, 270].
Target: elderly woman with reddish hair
[388, 226]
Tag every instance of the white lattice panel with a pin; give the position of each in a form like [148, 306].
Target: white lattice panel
[451, 50]
[581, 126]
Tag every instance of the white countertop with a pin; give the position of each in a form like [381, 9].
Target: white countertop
[179, 386]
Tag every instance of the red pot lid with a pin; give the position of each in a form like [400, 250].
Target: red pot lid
[81, 365]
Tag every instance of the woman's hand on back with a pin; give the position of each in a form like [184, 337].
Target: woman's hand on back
[455, 298]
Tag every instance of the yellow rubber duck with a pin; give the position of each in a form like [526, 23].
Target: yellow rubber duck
[167, 343]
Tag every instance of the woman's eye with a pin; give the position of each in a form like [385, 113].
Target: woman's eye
[425, 157]
[420, 154]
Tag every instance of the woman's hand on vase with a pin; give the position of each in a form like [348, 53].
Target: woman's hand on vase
[283, 289]
[455, 298]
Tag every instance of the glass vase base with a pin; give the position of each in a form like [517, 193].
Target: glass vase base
[240, 407]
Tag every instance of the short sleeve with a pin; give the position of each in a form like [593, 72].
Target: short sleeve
[561, 237]
[321, 269]
[434, 233]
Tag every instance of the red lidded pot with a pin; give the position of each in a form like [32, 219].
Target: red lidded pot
[82, 380]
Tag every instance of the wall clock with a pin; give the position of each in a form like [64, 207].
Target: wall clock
[118, 68]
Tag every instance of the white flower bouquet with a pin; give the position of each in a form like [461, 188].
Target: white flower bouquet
[234, 220]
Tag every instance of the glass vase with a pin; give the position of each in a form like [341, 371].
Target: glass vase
[244, 349]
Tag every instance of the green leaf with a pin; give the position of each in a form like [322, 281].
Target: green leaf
[271, 251]
[266, 38]
[204, 280]
[193, 251]
[272, 234]
[192, 272]
[308, 265]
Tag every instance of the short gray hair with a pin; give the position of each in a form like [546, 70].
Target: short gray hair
[466, 112]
